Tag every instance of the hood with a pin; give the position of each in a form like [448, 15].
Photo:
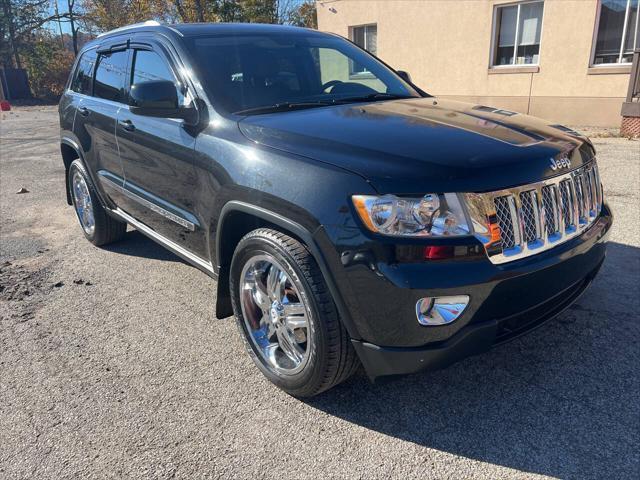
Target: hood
[423, 145]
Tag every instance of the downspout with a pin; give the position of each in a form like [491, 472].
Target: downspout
[529, 100]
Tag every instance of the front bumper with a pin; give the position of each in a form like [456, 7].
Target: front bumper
[471, 340]
[506, 301]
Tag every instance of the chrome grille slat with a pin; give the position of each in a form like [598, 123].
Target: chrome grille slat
[567, 203]
[530, 216]
[593, 192]
[505, 222]
[598, 185]
[514, 208]
[586, 181]
[536, 217]
[578, 184]
[550, 206]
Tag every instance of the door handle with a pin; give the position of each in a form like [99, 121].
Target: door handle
[127, 125]
[84, 111]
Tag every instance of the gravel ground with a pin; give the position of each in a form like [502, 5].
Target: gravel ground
[112, 364]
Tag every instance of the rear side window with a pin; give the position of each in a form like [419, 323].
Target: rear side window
[84, 73]
[148, 66]
[110, 76]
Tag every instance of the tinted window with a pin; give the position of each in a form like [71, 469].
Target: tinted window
[249, 71]
[148, 66]
[84, 73]
[110, 76]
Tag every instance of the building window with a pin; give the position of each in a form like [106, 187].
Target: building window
[617, 31]
[365, 36]
[517, 34]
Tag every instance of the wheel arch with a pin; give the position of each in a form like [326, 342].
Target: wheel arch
[70, 151]
[239, 218]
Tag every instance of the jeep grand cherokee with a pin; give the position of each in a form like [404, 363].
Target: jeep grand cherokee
[349, 217]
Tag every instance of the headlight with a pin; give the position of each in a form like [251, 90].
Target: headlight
[435, 214]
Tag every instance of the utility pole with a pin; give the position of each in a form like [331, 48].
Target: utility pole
[55, 8]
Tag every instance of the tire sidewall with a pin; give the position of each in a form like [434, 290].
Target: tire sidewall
[309, 375]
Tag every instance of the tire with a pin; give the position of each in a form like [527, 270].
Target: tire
[329, 357]
[97, 225]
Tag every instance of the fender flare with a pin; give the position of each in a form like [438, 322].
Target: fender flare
[76, 147]
[288, 226]
[70, 143]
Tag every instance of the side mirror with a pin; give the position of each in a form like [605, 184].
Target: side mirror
[404, 75]
[159, 99]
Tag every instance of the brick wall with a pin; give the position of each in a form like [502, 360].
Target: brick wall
[630, 127]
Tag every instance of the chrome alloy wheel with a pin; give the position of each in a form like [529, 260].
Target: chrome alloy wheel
[275, 315]
[83, 204]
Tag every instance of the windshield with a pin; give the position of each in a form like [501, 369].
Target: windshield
[243, 73]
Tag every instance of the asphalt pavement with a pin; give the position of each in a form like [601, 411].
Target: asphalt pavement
[112, 364]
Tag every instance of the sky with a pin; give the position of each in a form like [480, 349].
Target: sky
[62, 7]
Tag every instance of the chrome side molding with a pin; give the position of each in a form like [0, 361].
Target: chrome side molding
[171, 245]
[150, 205]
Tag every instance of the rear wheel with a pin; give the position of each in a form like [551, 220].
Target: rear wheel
[286, 315]
[98, 227]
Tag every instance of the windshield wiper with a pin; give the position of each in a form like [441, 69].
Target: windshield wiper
[286, 106]
[374, 96]
[282, 107]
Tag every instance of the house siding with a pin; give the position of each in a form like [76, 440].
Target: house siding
[446, 46]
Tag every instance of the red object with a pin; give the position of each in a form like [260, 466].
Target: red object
[438, 252]
[5, 106]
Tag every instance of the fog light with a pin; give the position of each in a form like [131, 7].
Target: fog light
[440, 310]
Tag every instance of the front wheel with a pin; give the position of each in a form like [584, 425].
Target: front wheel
[286, 315]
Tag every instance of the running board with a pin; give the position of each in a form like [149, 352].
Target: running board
[165, 242]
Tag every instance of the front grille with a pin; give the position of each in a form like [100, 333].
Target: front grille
[535, 217]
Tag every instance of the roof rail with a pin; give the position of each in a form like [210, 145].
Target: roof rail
[148, 23]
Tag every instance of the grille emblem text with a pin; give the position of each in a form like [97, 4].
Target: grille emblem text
[563, 162]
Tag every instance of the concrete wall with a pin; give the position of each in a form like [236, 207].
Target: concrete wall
[446, 45]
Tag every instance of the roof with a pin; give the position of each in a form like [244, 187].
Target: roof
[195, 29]
[189, 29]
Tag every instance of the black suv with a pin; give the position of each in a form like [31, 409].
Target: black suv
[348, 216]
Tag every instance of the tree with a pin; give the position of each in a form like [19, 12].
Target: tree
[304, 15]
[102, 15]
[47, 64]
[72, 24]
[261, 11]
[20, 19]
[191, 11]
[9, 31]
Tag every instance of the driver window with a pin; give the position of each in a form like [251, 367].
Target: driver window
[148, 66]
[334, 66]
